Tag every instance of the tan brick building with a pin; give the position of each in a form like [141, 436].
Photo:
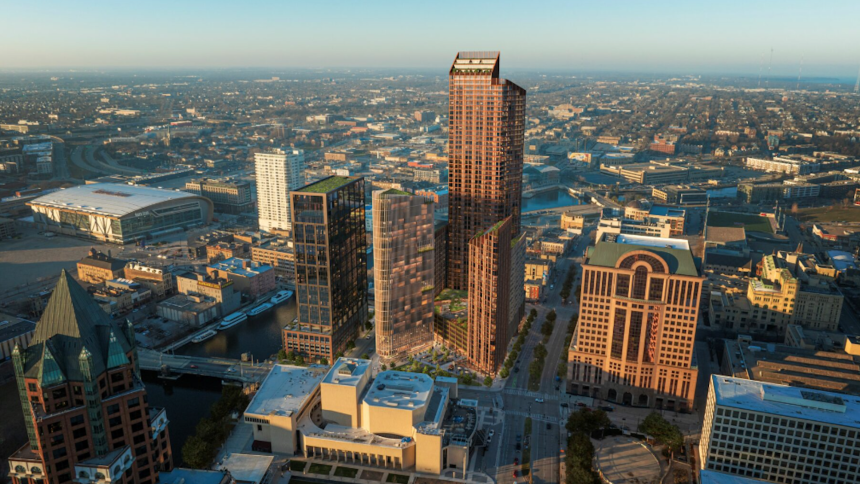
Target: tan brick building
[637, 324]
[99, 267]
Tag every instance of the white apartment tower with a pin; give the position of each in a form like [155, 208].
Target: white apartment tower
[278, 172]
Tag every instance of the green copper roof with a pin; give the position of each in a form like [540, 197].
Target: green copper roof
[50, 373]
[326, 184]
[73, 322]
[116, 354]
[606, 254]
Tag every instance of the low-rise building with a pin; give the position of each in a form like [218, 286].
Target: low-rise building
[158, 280]
[680, 195]
[221, 290]
[192, 309]
[14, 331]
[779, 433]
[7, 228]
[249, 277]
[398, 420]
[784, 164]
[280, 255]
[99, 267]
[228, 196]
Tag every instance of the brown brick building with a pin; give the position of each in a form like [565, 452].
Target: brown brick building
[100, 267]
[83, 402]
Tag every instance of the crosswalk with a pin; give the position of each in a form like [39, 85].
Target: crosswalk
[525, 393]
[535, 416]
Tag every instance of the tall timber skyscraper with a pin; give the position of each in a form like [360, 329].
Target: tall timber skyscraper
[485, 159]
[486, 117]
[278, 172]
[404, 259]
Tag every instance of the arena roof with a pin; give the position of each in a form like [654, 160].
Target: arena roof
[109, 199]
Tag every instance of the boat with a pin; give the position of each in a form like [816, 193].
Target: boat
[259, 309]
[203, 336]
[281, 296]
[232, 320]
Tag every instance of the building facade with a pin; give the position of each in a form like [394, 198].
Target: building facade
[84, 405]
[779, 433]
[230, 197]
[278, 172]
[489, 297]
[403, 262]
[98, 267]
[249, 277]
[330, 246]
[637, 324]
[485, 150]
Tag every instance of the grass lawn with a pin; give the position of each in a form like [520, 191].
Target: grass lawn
[448, 294]
[398, 478]
[319, 469]
[297, 465]
[346, 472]
[829, 214]
[750, 222]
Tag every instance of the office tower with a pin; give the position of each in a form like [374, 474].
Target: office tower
[278, 172]
[331, 266]
[637, 323]
[779, 433]
[489, 296]
[84, 405]
[403, 262]
[485, 154]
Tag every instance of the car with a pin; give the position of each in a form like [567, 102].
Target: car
[515, 473]
[564, 404]
[519, 446]
[491, 433]
[519, 438]
[606, 408]
[194, 367]
[548, 425]
[516, 369]
[581, 404]
[516, 461]
[539, 400]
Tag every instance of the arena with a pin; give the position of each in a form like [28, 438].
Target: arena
[120, 214]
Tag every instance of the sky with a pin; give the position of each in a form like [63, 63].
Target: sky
[685, 37]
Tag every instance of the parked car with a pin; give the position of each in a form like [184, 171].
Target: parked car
[539, 400]
[548, 425]
[606, 408]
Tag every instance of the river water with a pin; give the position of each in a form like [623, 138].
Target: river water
[549, 199]
[189, 398]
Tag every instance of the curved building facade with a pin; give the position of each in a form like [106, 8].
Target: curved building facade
[404, 258]
[120, 214]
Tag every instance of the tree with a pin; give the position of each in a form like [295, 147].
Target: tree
[350, 344]
[562, 369]
[587, 422]
[663, 432]
[533, 313]
[324, 361]
[467, 379]
[282, 355]
[365, 356]
[551, 316]
[546, 328]
[384, 367]
[300, 360]
[368, 325]
[488, 381]
[197, 452]
[504, 373]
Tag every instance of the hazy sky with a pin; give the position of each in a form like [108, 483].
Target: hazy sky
[693, 36]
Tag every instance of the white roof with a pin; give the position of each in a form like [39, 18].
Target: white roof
[347, 371]
[399, 389]
[109, 199]
[247, 467]
[662, 242]
[791, 402]
[285, 390]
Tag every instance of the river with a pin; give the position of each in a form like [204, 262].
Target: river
[549, 199]
[189, 398]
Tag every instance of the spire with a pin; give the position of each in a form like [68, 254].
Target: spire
[70, 312]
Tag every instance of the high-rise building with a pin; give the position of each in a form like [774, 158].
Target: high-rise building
[278, 172]
[639, 306]
[485, 153]
[330, 246]
[85, 407]
[779, 433]
[403, 263]
[489, 297]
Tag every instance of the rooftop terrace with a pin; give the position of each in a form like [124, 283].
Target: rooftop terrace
[326, 185]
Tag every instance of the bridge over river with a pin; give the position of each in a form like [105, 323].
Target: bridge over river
[173, 366]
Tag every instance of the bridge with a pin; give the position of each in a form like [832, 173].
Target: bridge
[173, 366]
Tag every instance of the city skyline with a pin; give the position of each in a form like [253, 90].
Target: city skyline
[736, 38]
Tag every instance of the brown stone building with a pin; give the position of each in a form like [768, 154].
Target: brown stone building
[99, 267]
[84, 405]
[637, 324]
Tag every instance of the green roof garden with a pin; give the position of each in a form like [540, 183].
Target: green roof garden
[326, 184]
[394, 191]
